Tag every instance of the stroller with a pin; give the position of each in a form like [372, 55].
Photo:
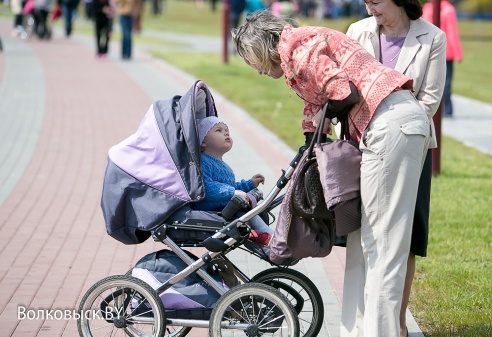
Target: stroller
[151, 179]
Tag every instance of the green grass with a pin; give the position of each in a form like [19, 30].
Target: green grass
[472, 75]
[452, 294]
[184, 17]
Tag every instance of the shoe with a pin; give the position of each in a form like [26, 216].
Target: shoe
[260, 237]
[407, 330]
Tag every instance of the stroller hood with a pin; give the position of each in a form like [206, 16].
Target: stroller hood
[156, 170]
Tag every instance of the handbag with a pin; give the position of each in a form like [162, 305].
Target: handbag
[307, 199]
[339, 171]
[298, 237]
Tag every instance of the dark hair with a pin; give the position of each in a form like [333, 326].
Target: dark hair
[413, 8]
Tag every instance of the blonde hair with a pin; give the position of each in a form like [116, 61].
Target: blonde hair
[256, 40]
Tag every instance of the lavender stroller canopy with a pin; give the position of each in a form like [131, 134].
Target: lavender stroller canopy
[156, 170]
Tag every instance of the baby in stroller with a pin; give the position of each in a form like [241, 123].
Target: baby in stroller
[219, 179]
[155, 186]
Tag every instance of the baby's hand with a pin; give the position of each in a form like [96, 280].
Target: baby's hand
[258, 179]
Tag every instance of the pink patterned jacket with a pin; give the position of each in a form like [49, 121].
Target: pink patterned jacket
[318, 63]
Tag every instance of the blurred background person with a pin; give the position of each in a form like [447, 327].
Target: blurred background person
[125, 9]
[454, 52]
[16, 7]
[253, 6]
[42, 9]
[285, 8]
[236, 9]
[88, 9]
[103, 12]
[69, 10]
[308, 8]
[137, 16]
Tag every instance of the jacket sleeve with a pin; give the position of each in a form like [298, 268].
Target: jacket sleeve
[245, 185]
[330, 78]
[314, 111]
[430, 93]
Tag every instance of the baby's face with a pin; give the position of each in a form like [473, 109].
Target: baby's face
[217, 139]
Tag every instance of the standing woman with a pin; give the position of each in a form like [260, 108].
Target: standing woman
[397, 36]
[392, 131]
[125, 9]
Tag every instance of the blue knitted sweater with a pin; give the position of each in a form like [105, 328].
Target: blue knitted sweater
[220, 184]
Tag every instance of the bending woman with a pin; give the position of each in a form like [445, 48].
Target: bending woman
[393, 133]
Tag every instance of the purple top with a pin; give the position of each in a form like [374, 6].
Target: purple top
[390, 49]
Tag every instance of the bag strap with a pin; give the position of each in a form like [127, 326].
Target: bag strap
[318, 133]
[344, 122]
[317, 137]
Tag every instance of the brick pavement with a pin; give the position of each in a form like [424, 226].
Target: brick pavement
[52, 237]
[62, 112]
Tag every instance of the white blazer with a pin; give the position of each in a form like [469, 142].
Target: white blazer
[423, 58]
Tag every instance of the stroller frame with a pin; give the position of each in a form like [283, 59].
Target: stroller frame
[124, 290]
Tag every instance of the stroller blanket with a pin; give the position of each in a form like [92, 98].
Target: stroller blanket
[157, 170]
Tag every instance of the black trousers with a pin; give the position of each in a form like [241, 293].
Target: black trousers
[420, 232]
[103, 33]
[40, 23]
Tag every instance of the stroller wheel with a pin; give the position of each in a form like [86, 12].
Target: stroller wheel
[121, 303]
[171, 330]
[301, 292]
[253, 309]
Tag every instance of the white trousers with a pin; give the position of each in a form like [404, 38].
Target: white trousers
[393, 151]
